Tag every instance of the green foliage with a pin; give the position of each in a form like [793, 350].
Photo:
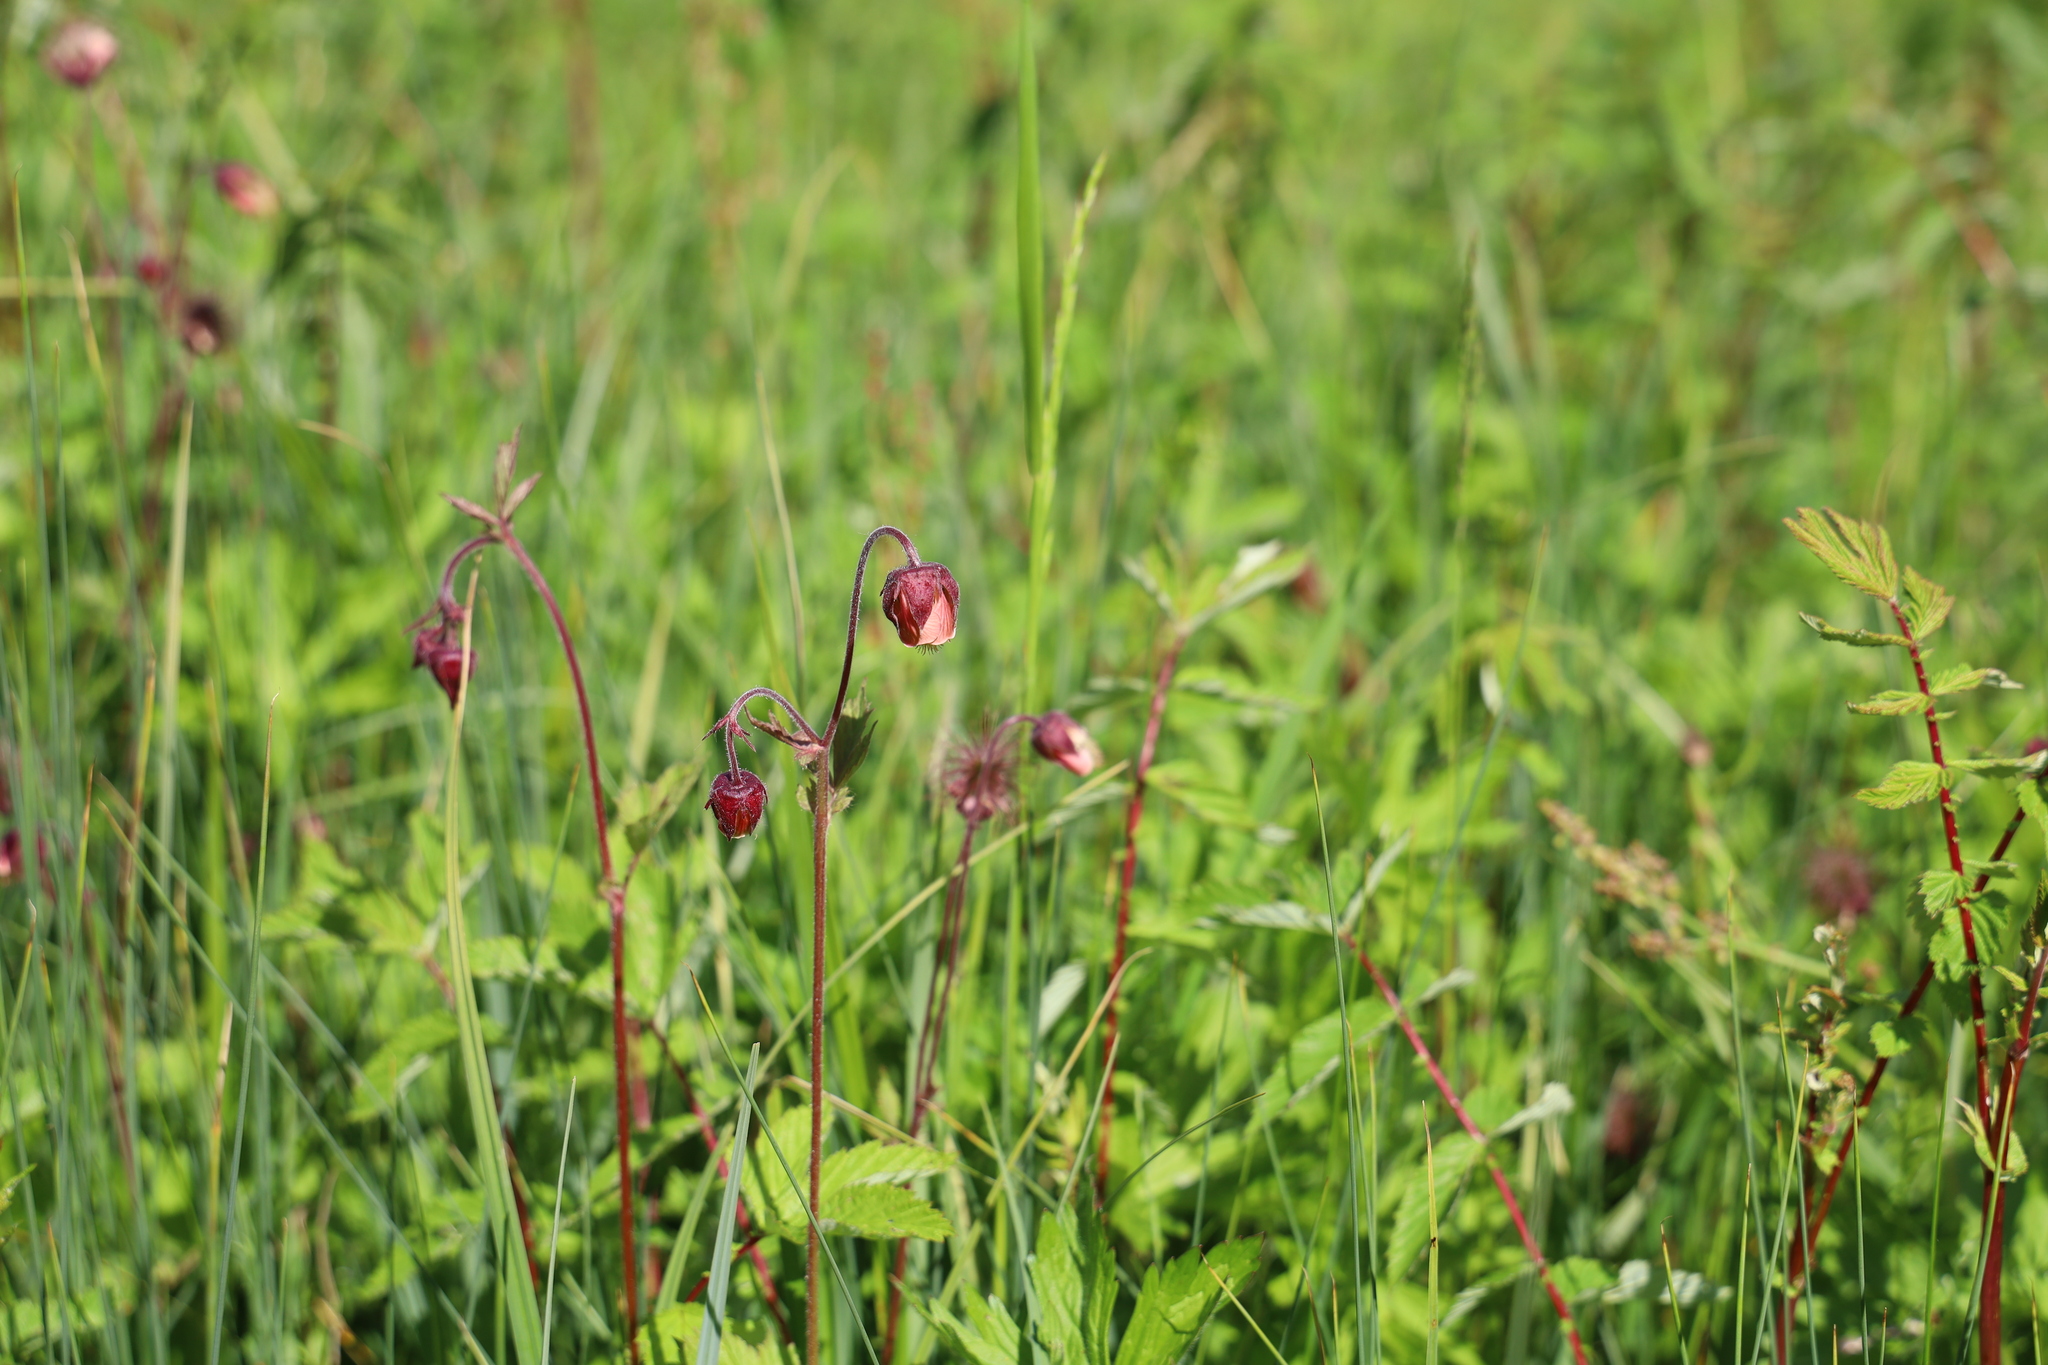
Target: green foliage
[858, 1189]
[1857, 552]
[1909, 782]
[1177, 1299]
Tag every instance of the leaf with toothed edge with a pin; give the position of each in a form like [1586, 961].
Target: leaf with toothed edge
[1890, 703]
[1927, 603]
[1857, 552]
[1907, 784]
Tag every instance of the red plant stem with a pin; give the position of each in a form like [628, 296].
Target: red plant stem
[1802, 1249]
[1991, 1306]
[615, 902]
[821, 820]
[1500, 1181]
[945, 959]
[1132, 816]
[1955, 862]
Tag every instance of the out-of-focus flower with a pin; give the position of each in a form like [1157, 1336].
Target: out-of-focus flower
[437, 647]
[80, 52]
[153, 270]
[245, 190]
[923, 602]
[1839, 883]
[737, 800]
[1060, 738]
[981, 777]
[203, 325]
[10, 856]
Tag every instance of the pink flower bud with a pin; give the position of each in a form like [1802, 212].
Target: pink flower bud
[152, 270]
[10, 856]
[438, 649]
[1059, 738]
[923, 602]
[245, 189]
[737, 800]
[79, 52]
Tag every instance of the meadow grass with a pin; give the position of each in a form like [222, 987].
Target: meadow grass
[1373, 424]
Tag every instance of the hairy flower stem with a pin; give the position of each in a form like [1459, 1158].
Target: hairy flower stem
[1132, 816]
[815, 750]
[1500, 1180]
[615, 902]
[945, 960]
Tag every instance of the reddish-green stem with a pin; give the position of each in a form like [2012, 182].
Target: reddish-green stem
[615, 902]
[1478, 1135]
[1133, 814]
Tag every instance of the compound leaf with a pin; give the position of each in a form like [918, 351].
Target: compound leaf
[1906, 784]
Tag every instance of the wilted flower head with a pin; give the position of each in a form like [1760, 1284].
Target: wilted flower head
[80, 52]
[1839, 882]
[737, 800]
[437, 647]
[245, 190]
[923, 602]
[203, 325]
[981, 776]
[1058, 737]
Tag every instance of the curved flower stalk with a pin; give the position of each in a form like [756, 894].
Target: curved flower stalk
[980, 778]
[922, 601]
[438, 646]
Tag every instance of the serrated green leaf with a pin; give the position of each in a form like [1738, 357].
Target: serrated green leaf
[987, 1337]
[1987, 765]
[1177, 1299]
[876, 1163]
[1906, 784]
[2036, 807]
[2015, 1164]
[2002, 870]
[1963, 678]
[1864, 639]
[856, 730]
[1896, 1037]
[1927, 603]
[1857, 552]
[2011, 977]
[1580, 1277]
[1890, 703]
[1940, 889]
[772, 1197]
[644, 807]
[882, 1211]
[1075, 1279]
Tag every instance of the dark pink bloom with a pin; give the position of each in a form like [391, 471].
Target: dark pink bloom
[1059, 738]
[1840, 883]
[245, 190]
[737, 800]
[923, 602]
[80, 52]
[438, 649]
[152, 270]
[10, 856]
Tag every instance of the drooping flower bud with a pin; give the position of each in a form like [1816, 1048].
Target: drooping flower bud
[80, 52]
[923, 602]
[245, 190]
[438, 649]
[1059, 738]
[10, 856]
[737, 800]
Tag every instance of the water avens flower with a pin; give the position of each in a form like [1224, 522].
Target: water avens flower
[1059, 738]
[80, 52]
[437, 647]
[923, 602]
[244, 189]
[203, 325]
[737, 800]
[981, 777]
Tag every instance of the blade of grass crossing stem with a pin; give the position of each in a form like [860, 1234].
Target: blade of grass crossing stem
[728, 1215]
[547, 1319]
[252, 1024]
[1754, 1195]
[788, 1171]
[1429, 1169]
[1361, 1273]
[515, 1281]
[174, 638]
[1031, 322]
[1742, 1263]
[1671, 1291]
[672, 1278]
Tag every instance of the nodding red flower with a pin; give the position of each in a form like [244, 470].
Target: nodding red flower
[10, 856]
[203, 325]
[981, 776]
[80, 52]
[923, 602]
[1058, 737]
[737, 800]
[438, 648]
[153, 270]
[245, 190]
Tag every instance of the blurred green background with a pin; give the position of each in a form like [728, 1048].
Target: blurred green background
[1525, 324]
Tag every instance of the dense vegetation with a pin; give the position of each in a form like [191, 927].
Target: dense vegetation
[1437, 381]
